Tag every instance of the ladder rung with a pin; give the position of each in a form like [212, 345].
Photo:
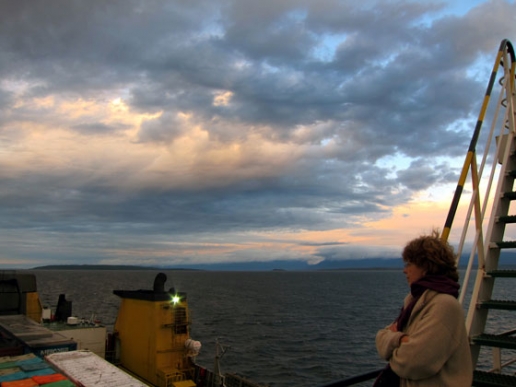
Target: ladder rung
[498, 304]
[503, 245]
[491, 379]
[507, 219]
[509, 195]
[498, 341]
[502, 273]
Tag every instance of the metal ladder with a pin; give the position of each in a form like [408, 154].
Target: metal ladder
[492, 220]
[488, 271]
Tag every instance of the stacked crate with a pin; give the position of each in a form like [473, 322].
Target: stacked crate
[30, 371]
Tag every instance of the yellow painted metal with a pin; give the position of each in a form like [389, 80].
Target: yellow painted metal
[185, 383]
[33, 309]
[152, 337]
[471, 150]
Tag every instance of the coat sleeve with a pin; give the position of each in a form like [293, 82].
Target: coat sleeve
[433, 338]
[387, 341]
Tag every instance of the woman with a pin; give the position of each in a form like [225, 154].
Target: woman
[427, 345]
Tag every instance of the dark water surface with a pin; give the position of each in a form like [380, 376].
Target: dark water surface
[284, 329]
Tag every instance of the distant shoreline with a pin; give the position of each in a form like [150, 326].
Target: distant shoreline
[507, 261]
[101, 267]
[128, 267]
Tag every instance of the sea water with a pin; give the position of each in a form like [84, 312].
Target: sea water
[280, 328]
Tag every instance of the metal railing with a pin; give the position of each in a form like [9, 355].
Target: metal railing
[355, 379]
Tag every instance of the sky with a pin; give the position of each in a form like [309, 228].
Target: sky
[214, 131]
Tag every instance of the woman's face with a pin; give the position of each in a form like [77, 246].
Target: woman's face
[413, 272]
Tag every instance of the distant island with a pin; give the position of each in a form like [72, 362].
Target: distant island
[507, 260]
[101, 267]
[244, 266]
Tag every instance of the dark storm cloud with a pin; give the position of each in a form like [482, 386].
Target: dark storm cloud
[51, 205]
[420, 175]
[97, 128]
[339, 86]
[176, 58]
[403, 83]
[323, 244]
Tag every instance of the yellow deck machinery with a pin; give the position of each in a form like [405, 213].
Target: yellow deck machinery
[152, 335]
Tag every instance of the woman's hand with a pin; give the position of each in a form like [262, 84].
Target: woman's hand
[393, 327]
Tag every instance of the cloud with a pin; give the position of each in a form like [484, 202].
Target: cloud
[149, 122]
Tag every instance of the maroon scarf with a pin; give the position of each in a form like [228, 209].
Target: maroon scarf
[439, 283]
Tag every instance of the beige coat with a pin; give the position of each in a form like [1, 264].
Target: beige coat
[438, 352]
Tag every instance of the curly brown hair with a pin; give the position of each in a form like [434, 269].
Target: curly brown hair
[433, 255]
